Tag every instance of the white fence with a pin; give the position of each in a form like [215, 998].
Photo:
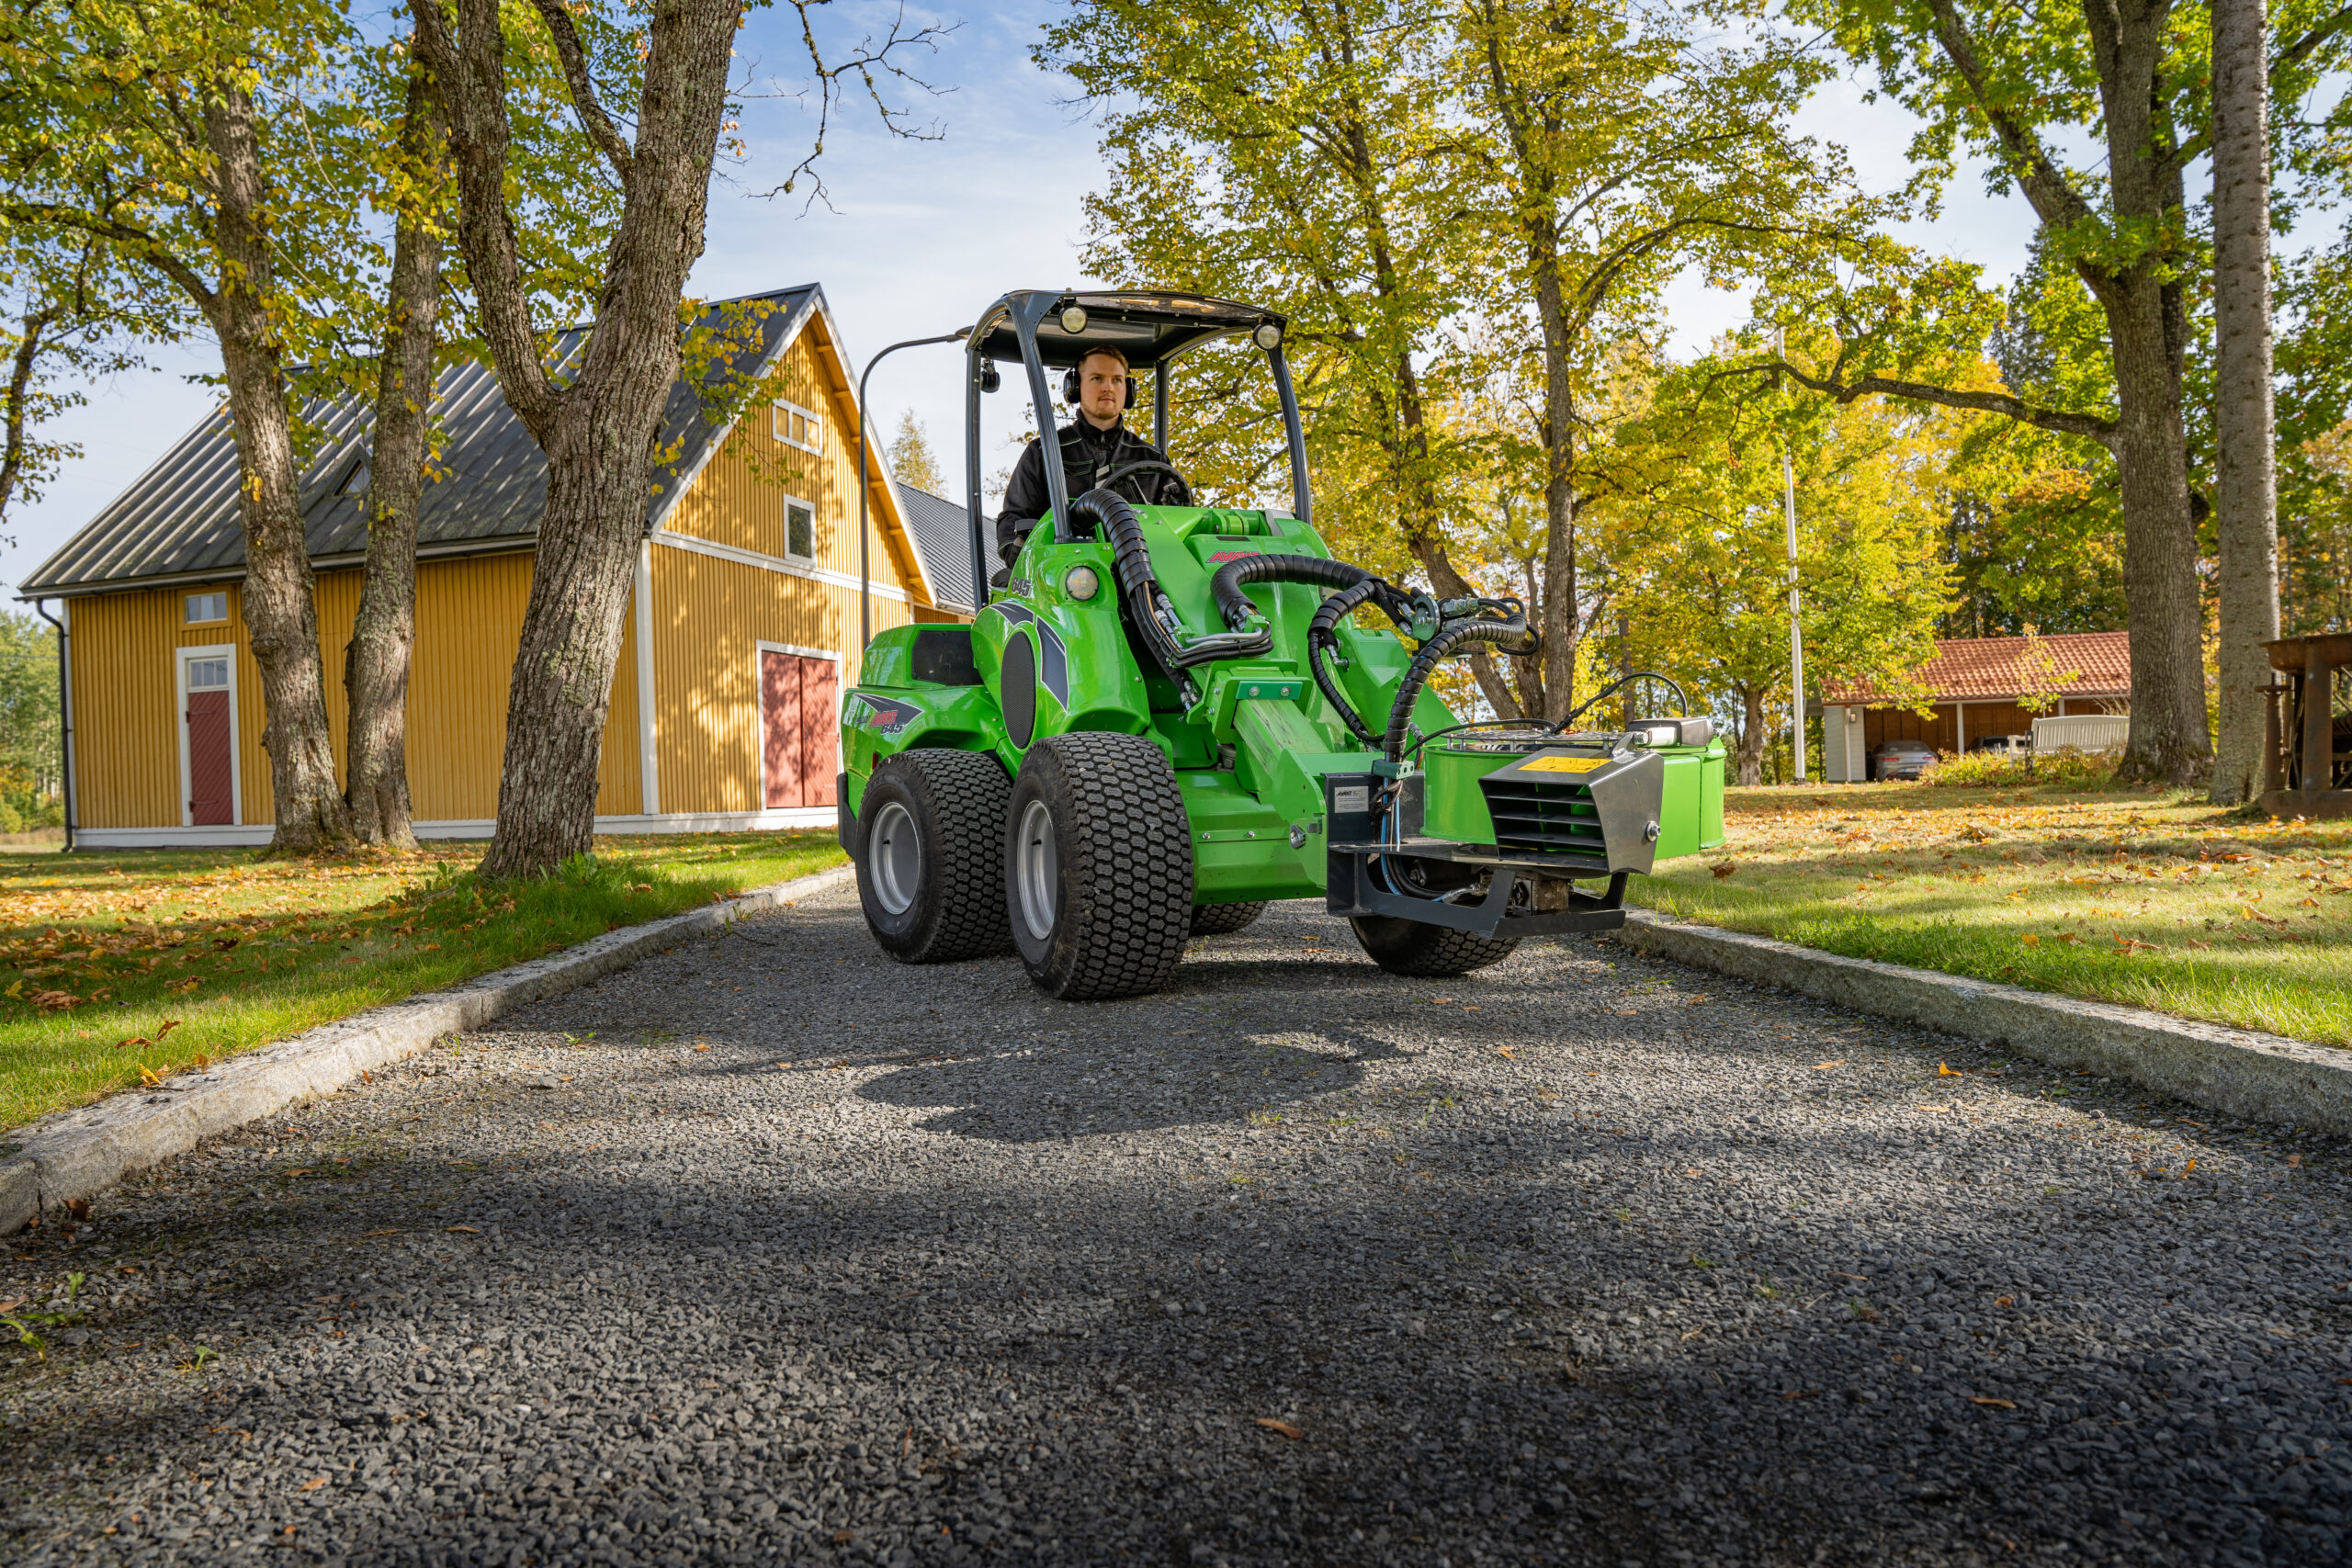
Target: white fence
[2083, 731]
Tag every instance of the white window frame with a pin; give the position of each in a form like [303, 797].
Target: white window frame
[180, 660]
[784, 520]
[759, 711]
[218, 620]
[780, 424]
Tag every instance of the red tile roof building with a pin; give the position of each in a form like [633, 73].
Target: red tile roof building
[1975, 685]
[1983, 669]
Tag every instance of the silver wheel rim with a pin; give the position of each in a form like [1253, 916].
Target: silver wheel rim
[1035, 871]
[894, 851]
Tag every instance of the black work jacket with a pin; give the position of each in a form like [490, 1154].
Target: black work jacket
[1086, 451]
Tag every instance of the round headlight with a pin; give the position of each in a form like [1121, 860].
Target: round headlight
[1268, 336]
[1081, 582]
[1073, 321]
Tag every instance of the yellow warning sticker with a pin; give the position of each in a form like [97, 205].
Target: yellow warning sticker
[1562, 764]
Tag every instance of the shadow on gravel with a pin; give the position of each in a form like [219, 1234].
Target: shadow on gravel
[1020, 1098]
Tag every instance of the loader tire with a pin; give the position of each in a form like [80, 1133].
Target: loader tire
[930, 826]
[1098, 867]
[1216, 920]
[1410, 947]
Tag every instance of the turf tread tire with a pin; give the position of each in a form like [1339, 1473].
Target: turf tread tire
[1124, 866]
[1218, 919]
[957, 799]
[1426, 951]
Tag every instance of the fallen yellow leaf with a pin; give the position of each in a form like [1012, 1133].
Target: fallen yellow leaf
[314, 1486]
[1283, 1428]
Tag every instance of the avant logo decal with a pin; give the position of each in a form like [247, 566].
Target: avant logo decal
[884, 716]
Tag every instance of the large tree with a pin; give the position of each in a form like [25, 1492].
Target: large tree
[598, 418]
[1464, 209]
[2018, 87]
[1616, 147]
[201, 143]
[1300, 155]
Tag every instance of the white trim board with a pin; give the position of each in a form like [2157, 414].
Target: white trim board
[180, 656]
[252, 834]
[773, 563]
[649, 752]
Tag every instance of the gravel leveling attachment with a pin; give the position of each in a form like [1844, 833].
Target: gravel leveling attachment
[1165, 716]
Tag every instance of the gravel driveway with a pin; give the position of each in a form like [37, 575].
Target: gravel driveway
[769, 1250]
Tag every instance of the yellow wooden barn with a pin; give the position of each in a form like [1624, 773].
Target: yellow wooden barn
[745, 612]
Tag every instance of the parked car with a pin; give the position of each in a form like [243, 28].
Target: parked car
[1901, 758]
[2016, 748]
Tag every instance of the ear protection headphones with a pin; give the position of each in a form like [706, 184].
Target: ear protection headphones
[1069, 387]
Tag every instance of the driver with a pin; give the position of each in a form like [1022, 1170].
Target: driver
[1097, 442]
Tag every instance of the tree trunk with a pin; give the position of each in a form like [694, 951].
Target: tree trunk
[1751, 755]
[2168, 738]
[383, 635]
[280, 614]
[20, 378]
[599, 430]
[2245, 490]
[2147, 327]
[1560, 622]
[572, 626]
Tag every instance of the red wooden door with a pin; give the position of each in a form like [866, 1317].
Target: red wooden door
[821, 737]
[208, 803]
[781, 706]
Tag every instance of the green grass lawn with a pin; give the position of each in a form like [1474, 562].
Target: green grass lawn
[2149, 898]
[123, 968]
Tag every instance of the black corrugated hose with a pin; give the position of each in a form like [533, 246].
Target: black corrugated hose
[1355, 584]
[1155, 619]
[1235, 605]
[1450, 636]
[1321, 638]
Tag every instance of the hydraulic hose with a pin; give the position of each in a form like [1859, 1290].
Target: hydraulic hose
[1156, 619]
[1234, 604]
[1321, 638]
[1619, 684]
[1449, 637]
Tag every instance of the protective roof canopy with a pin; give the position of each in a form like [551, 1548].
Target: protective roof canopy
[1146, 326]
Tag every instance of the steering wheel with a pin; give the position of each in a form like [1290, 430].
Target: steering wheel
[1123, 469]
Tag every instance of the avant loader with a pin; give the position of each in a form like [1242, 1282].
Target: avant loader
[1163, 717]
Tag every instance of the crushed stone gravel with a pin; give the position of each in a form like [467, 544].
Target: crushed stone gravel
[770, 1251]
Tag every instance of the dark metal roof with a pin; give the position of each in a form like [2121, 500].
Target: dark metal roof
[944, 542]
[178, 521]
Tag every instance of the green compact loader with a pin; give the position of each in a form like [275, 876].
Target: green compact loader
[1164, 716]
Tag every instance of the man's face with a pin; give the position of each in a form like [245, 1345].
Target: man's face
[1101, 389]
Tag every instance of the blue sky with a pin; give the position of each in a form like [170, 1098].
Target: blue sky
[922, 235]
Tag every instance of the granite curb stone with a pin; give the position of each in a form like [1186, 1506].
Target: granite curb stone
[2242, 1072]
[79, 1153]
